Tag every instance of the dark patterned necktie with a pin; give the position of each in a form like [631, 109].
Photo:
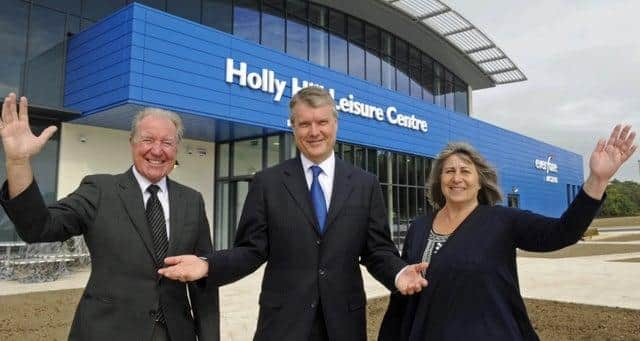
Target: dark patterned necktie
[155, 219]
[317, 198]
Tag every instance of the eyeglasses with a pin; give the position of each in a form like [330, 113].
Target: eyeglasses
[164, 143]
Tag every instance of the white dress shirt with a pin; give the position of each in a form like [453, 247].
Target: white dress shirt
[163, 194]
[325, 178]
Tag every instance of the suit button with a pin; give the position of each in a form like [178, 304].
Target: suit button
[321, 272]
[318, 242]
[313, 305]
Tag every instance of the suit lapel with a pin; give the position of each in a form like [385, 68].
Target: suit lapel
[341, 190]
[296, 185]
[129, 192]
[177, 209]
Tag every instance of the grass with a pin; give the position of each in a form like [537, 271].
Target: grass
[618, 222]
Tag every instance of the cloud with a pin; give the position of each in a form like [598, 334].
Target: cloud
[581, 60]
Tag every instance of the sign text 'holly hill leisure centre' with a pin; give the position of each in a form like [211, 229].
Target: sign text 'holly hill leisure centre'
[266, 81]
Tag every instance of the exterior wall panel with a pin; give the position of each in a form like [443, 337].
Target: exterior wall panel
[148, 57]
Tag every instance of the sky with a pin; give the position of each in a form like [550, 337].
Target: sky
[582, 61]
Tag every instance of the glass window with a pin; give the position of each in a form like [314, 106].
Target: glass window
[372, 161]
[297, 8]
[337, 23]
[372, 38]
[360, 158]
[355, 30]
[319, 15]
[420, 171]
[246, 20]
[223, 160]
[372, 63]
[247, 157]
[402, 169]
[383, 176]
[297, 42]
[356, 61]
[422, 202]
[98, 9]
[394, 167]
[427, 79]
[411, 170]
[217, 14]
[414, 57]
[158, 4]
[402, 80]
[222, 216]
[73, 24]
[318, 46]
[13, 34]
[387, 44]
[461, 100]
[403, 209]
[415, 89]
[448, 91]
[43, 70]
[347, 153]
[413, 203]
[438, 84]
[45, 168]
[67, 6]
[273, 28]
[273, 150]
[402, 50]
[84, 24]
[388, 73]
[47, 29]
[337, 53]
[188, 9]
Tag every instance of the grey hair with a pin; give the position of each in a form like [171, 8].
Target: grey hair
[489, 193]
[313, 96]
[157, 112]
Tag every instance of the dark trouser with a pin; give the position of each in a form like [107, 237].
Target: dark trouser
[319, 328]
[160, 332]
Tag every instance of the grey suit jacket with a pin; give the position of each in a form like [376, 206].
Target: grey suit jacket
[124, 290]
[305, 268]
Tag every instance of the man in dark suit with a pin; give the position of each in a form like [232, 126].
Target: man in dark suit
[313, 219]
[130, 222]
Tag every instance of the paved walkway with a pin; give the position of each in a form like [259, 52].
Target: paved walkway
[598, 280]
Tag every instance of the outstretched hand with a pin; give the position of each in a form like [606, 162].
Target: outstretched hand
[607, 158]
[410, 280]
[185, 268]
[610, 154]
[19, 142]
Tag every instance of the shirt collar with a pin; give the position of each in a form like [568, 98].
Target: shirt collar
[144, 183]
[328, 165]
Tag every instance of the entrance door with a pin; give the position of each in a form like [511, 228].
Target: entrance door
[230, 197]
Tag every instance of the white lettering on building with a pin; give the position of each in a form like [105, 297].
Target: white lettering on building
[266, 81]
[548, 167]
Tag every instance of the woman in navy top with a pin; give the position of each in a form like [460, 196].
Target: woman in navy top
[470, 245]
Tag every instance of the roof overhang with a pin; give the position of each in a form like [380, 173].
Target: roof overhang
[441, 32]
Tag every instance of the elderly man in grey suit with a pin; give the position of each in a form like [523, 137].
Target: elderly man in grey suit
[130, 222]
[313, 219]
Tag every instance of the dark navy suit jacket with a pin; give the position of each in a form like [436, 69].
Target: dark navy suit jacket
[473, 291]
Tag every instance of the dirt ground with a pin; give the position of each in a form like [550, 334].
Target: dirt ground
[48, 315]
[556, 321]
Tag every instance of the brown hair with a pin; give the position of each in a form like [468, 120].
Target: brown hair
[489, 193]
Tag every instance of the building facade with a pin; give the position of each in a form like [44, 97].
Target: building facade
[230, 67]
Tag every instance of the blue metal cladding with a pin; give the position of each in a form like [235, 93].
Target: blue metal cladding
[142, 56]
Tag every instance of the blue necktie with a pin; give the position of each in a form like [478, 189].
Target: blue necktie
[317, 197]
